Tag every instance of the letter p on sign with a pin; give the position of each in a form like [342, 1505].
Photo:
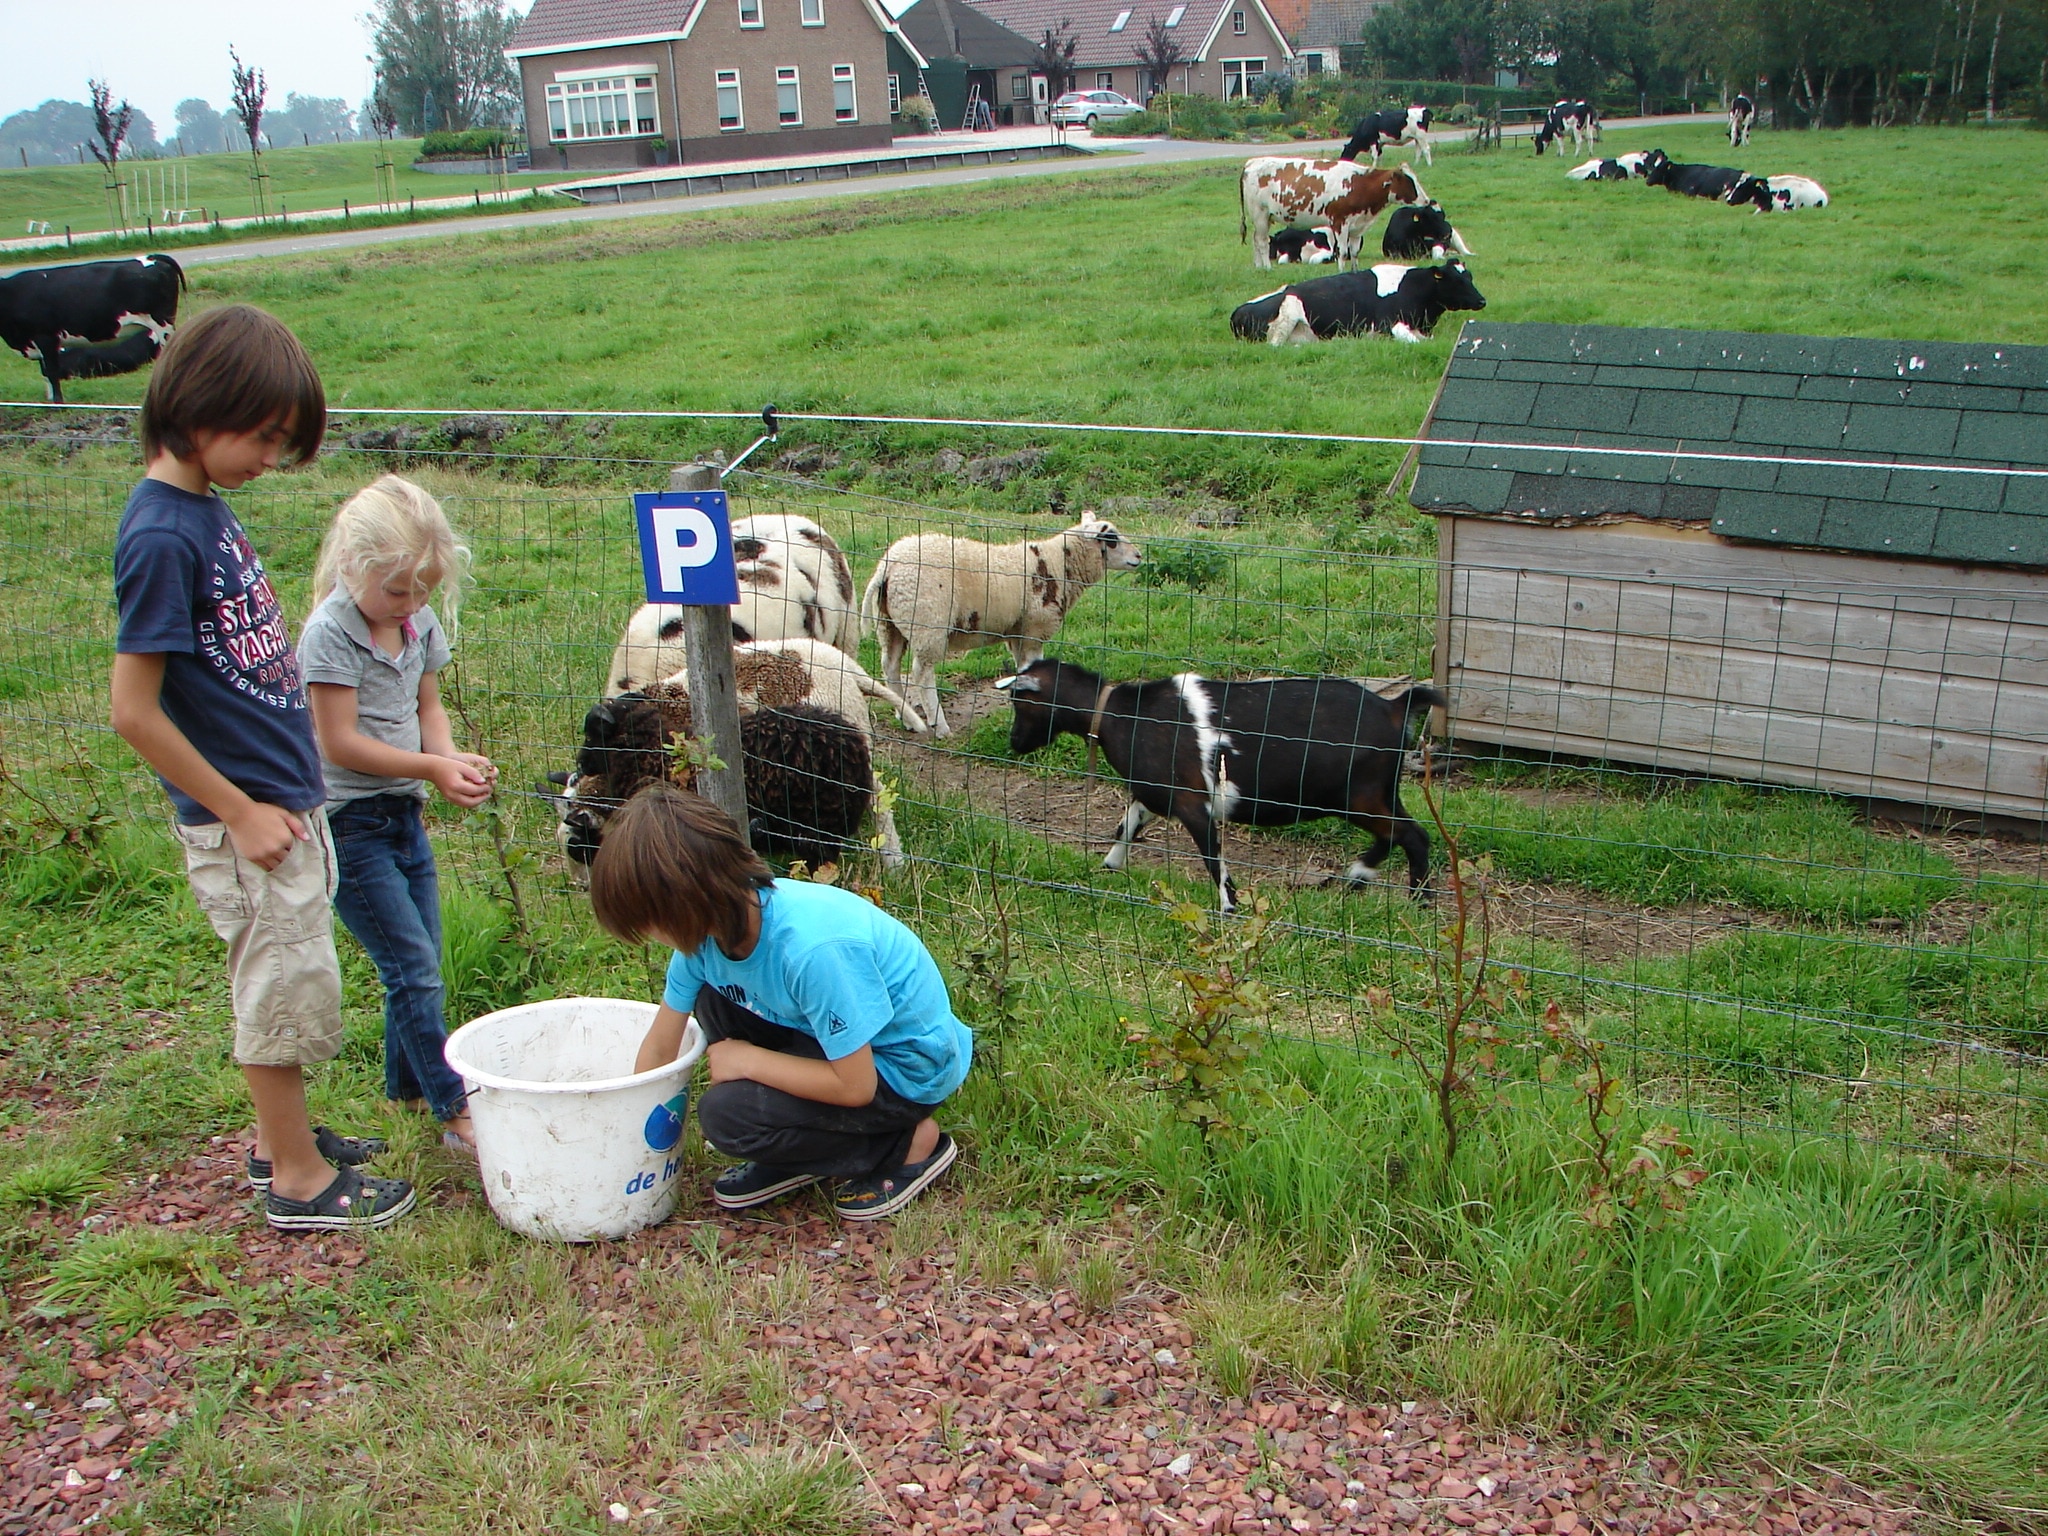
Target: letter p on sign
[686, 547]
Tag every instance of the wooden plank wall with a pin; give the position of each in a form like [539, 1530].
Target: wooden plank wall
[1672, 648]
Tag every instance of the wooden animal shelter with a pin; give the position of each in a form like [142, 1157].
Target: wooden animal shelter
[1849, 626]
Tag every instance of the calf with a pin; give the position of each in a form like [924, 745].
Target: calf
[1620, 168]
[1580, 119]
[1402, 302]
[1304, 247]
[1424, 231]
[1264, 754]
[1740, 111]
[43, 309]
[1278, 190]
[1395, 126]
[1715, 181]
[1778, 194]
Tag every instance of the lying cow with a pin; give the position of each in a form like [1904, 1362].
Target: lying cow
[1741, 111]
[1265, 754]
[1580, 119]
[1402, 302]
[1424, 231]
[1303, 247]
[1398, 125]
[47, 309]
[1778, 194]
[1620, 168]
[1278, 190]
[1715, 181]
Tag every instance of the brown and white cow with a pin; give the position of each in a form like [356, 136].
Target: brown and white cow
[1278, 190]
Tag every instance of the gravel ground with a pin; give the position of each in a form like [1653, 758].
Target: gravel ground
[1011, 1411]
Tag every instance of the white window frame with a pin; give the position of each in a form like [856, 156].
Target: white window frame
[577, 100]
[895, 95]
[842, 74]
[788, 74]
[1173, 16]
[1237, 24]
[1020, 87]
[811, 12]
[1240, 72]
[755, 8]
[1105, 79]
[722, 80]
[1123, 19]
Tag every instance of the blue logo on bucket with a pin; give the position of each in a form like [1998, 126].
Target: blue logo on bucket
[664, 1126]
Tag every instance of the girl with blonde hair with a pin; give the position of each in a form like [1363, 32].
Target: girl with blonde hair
[371, 653]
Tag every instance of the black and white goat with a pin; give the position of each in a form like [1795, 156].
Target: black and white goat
[1259, 753]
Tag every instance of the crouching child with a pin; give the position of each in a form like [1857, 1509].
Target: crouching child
[831, 1040]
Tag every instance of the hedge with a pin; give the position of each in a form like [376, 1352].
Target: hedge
[468, 143]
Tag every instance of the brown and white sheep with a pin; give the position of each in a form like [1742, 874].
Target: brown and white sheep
[794, 584]
[935, 596]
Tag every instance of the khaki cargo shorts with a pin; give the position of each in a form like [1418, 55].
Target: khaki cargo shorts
[279, 928]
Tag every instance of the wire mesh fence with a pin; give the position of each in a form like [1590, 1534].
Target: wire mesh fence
[1658, 791]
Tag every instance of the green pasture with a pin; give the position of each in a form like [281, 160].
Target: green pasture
[1824, 1303]
[302, 179]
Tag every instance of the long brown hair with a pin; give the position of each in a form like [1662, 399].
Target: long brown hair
[674, 867]
[234, 369]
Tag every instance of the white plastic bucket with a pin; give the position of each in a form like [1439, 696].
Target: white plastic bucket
[570, 1151]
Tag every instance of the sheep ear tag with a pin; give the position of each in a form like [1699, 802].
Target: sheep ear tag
[1016, 685]
[1006, 683]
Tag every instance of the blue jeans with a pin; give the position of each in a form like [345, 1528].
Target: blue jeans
[391, 901]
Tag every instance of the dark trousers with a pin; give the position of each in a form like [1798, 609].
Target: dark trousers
[390, 899]
[765, 1125]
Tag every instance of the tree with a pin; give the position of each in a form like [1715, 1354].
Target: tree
[1054, 57]
[313, 119]
[1160, 53]
[110, 126]
[247, 101]
[201, 130]
[441, 63]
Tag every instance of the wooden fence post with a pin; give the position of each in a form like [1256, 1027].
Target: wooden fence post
[714, 699]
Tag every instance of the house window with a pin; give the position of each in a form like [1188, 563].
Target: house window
[813, 12]
[895, 95]
[750, 13]
[729, 116]
[1020, 87]
[1236, 72]
[1105, 80]
[1173, 16]
[789, 101]
[844, 109]
[1237, 23]
[602, 107]
[1123, 19]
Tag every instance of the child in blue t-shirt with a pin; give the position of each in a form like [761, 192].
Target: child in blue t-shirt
[832, 1040]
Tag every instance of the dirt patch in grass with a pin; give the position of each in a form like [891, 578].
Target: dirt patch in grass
[966, 1406]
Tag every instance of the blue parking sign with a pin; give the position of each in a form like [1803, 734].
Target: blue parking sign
[686, 547]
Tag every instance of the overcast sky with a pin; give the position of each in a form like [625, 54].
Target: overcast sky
[156, 53]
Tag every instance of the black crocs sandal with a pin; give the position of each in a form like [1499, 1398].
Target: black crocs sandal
[880, 1195]
[342, 1151]
[354, 1200]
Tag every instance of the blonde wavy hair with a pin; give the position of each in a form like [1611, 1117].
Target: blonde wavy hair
[392, 526]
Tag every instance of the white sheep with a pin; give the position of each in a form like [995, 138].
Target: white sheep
[794, 584]
[935, 596]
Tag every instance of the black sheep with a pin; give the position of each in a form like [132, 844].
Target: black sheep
[808, 772]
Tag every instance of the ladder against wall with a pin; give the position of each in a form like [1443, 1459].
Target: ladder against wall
[978, 118]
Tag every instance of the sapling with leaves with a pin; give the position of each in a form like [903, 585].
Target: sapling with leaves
[247, 101]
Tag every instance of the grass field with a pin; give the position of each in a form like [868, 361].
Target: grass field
[302, 179]
[1821, 1304]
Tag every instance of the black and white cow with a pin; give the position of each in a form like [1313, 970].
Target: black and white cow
[1778, 194]
[1715, 181]
[1304, 247]
[47, 308]
[1262, 754]
[1423, 231]
[1741, 111]
[1397, 125]
[1580, 119]
[1402, 302]
[1620, 168]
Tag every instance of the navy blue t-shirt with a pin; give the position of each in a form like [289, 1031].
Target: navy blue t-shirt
[192, 590]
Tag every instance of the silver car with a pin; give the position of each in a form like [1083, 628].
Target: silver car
[1082, 109]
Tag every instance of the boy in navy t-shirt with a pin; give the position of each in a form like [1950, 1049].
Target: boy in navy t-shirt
[207, 691]
[832, 1040]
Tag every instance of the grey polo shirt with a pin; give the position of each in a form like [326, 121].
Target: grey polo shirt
[336, 648]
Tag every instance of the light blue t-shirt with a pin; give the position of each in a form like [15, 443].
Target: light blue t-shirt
[846, 973]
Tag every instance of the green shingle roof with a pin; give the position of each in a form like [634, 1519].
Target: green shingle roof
[1928, 404]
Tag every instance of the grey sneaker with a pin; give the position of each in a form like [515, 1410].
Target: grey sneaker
[747, 1184]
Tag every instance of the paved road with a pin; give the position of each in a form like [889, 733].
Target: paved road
[1143, 152]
